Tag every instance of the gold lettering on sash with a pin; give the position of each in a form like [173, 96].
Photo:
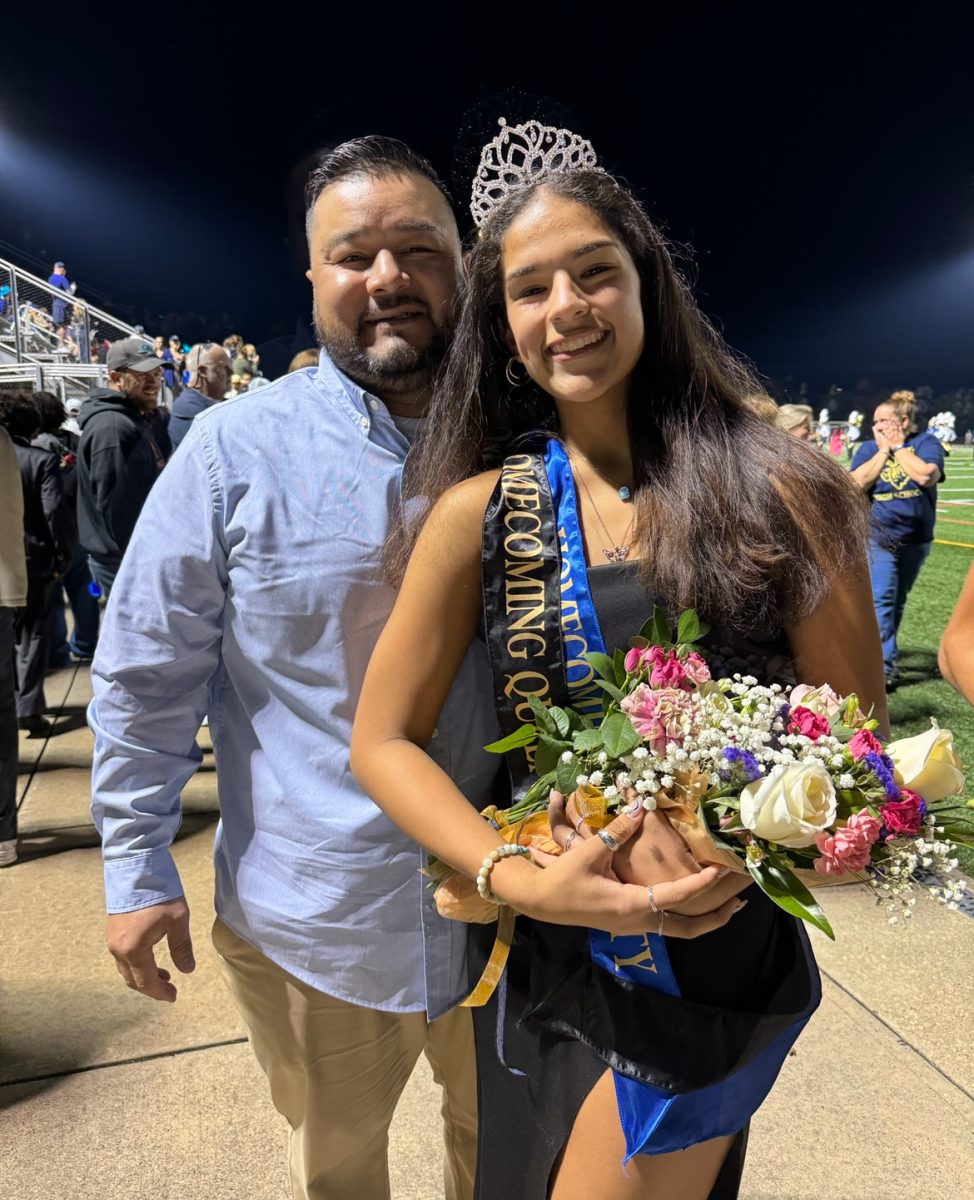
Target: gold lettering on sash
[518, 638]
[585, 694]
[643, 960]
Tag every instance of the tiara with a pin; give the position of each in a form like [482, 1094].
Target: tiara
[518, 155]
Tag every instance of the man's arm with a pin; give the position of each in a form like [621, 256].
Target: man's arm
[158, 648]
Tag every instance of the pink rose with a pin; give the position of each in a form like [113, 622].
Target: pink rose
[668, 672]
[658, 716]
[863, 743]
[848, 848]
[904, 816]
[822, 700]
[696, 669]
[804, 721]
[634, 659]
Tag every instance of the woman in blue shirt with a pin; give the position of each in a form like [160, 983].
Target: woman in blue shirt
[899, 470]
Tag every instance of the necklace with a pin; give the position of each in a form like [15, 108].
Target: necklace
[625, 493]
[614, 554]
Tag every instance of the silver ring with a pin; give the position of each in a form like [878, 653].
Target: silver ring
[662, 918]
[653, 906]
[579, 823]
[568, 840]
[609, 840]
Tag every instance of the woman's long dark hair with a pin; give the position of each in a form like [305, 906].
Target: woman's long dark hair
[733, 517]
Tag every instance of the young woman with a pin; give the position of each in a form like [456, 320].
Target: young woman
[653, 480]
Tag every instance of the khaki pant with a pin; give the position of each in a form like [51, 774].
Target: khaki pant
[336, 1072]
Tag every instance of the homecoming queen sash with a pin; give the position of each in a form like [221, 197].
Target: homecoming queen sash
[684, 1072]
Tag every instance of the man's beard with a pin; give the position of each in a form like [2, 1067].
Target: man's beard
[401, 370]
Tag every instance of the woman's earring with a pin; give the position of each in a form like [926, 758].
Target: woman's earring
[513, 379]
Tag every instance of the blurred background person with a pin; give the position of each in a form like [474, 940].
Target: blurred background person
[49, 541]
[898, 469]
[795, 419]
[59, 308]
[13, 595]
[61, 440]
[118, 458]
[303, 358]
[956, 655]
[209, 379]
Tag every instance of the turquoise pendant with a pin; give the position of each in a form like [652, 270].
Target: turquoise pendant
[625, 495]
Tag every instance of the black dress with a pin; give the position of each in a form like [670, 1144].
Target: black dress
[529, 1101]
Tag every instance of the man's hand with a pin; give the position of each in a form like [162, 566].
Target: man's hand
[131, 937]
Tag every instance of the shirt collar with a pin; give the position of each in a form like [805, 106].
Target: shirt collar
[358, 405]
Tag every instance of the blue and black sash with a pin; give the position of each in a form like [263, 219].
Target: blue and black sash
[684, 1072]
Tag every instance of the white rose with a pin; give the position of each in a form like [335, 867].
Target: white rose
[792, 806]
[927, 764]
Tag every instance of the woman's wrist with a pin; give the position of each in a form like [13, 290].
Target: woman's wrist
[511, 879]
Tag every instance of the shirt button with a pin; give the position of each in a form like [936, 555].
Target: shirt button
[373, 404]
[364, 422]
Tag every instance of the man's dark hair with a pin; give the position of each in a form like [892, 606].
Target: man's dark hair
[375, 157]
[51, 411]
[19, 415]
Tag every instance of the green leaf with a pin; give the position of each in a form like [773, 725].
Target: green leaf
[619, 663]
[561, 720]
[601, 664]
[566, 776]
[688, 627]
[549, 754]
[657, 629]
[618, 735]
[789, 893]
[514, 741]
[543, 717]
[588, 739]
[608, 687]
[578, 720]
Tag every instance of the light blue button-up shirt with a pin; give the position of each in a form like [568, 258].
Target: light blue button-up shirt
[251, 592]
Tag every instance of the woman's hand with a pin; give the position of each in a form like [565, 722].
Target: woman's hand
[580, 888]
[655, 854]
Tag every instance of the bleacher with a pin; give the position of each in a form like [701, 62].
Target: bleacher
[32, 354]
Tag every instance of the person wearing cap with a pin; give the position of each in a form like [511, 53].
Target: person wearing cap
[59, 279]
[118, 458]
[209, 378]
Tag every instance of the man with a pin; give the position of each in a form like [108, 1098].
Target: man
[13, 596]
[118, 458]
[252, 592]
[899, 470]
[59, 279]
[209, 378]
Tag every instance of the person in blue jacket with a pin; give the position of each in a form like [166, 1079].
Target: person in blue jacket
[899, 469]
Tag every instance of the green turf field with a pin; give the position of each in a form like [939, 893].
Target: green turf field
[923, 693]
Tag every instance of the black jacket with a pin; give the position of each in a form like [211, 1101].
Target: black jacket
[49, 534]
[118, 462]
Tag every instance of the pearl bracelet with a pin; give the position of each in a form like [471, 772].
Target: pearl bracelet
[492, 859]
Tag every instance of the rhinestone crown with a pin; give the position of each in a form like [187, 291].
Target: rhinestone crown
[518, 155]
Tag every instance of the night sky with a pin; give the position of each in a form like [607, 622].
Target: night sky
[818, 170]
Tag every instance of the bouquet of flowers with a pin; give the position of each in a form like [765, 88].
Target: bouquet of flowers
[792, 787]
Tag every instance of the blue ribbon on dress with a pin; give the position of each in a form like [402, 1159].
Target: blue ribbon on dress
[654, 1121]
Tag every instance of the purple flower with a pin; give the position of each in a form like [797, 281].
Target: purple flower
[745, 760]
[882, 768]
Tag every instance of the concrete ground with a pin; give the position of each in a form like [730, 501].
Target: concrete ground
[105, 1095]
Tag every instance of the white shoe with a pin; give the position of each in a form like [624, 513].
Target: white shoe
[8, 853]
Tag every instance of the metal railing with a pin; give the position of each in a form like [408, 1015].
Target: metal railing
[53, 336]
